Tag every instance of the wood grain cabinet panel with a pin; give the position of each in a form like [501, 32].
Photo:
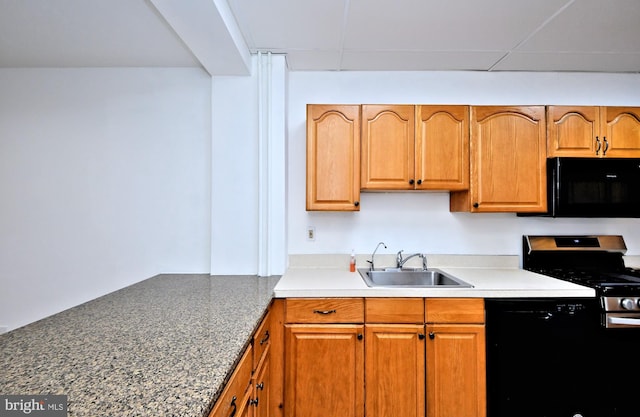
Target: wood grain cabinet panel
[333, 157]
[324, 368]
[406, 147]
[508, 161]
[621, 127]
[572, 131]
[388, 147]
[236, 397]
[324, 310]
[592, 131]
[442, 147]
[456, 370]
[395, 370]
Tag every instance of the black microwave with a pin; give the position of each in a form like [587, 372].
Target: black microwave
[593, 187]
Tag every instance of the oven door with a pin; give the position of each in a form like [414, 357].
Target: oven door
[621, 321]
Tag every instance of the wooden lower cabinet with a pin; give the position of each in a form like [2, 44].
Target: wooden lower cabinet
[261, 385]
[324, 370]
[456, 375]
[394, 370]
[236, 397]
[428, 360]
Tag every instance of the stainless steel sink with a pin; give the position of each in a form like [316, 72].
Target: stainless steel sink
[411, 278]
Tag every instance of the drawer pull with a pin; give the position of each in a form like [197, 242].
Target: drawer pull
[265, 338]
[235, 407]
[324, 312]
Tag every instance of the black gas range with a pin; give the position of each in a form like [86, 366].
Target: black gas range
[567, 357]
[595, 261]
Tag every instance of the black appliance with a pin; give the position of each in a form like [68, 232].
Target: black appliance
[568, 357]
[593, 187]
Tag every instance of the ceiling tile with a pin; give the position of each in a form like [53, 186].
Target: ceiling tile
[418, 61]
[313, 60]
[67, 33]
[297, 24]
[591, 26]
[548, 61]
[444, 25]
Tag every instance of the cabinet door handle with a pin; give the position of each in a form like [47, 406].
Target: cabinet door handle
[432, 335]
[324, 312]
[260, 386]
[421, 336]
[598, 145]
[606, 145]
[234, 405]
[476, 205]
[411, 181]
[419, 182]
[357, 203]
[265, 338]
[360, 336]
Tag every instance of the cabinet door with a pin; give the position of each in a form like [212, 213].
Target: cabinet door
[333, 157]
[236, 396]
[508, 159]
[573, 131]
[621, 131]
[456, 371]
[324, 370]
[261, 388]
[395, 370]
[442, 147]
[388, 143]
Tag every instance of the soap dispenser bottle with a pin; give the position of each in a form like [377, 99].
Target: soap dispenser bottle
[352, 262]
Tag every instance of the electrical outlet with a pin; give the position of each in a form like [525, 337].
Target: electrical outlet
[311, 233]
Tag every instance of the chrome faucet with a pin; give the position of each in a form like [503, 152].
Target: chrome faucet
[400, 261]
[374, 254]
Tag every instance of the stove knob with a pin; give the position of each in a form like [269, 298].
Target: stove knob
[627, 304]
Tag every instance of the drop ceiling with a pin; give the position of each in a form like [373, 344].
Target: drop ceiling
[334, 35]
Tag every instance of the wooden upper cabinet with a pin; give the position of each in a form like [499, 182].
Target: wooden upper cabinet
[406, 147]
[442, 147]
[572, 131]
[508, 161]
[333, 157]
[591, 131]
[388, 142]
[621, 128]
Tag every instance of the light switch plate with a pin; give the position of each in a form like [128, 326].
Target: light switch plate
[311, 233]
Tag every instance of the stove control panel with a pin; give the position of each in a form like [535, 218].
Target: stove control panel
[621, 304]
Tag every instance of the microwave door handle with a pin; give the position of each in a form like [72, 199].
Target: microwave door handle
[598, 145]
[626, 321]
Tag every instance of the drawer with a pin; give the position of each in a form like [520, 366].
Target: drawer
[454, 310]
[237, 393]
[324, 310]
[394, 310]
[261, 340]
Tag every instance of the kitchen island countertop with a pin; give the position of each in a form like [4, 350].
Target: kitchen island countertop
[163, 347]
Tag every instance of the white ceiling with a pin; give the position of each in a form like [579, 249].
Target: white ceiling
[488, 35]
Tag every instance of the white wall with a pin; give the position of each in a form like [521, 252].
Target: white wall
[105, 180]
[248, 186]
[421, 222]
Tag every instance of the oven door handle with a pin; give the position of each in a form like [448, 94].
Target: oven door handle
[622, 322]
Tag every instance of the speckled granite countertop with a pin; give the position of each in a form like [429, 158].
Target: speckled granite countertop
[162, 347]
